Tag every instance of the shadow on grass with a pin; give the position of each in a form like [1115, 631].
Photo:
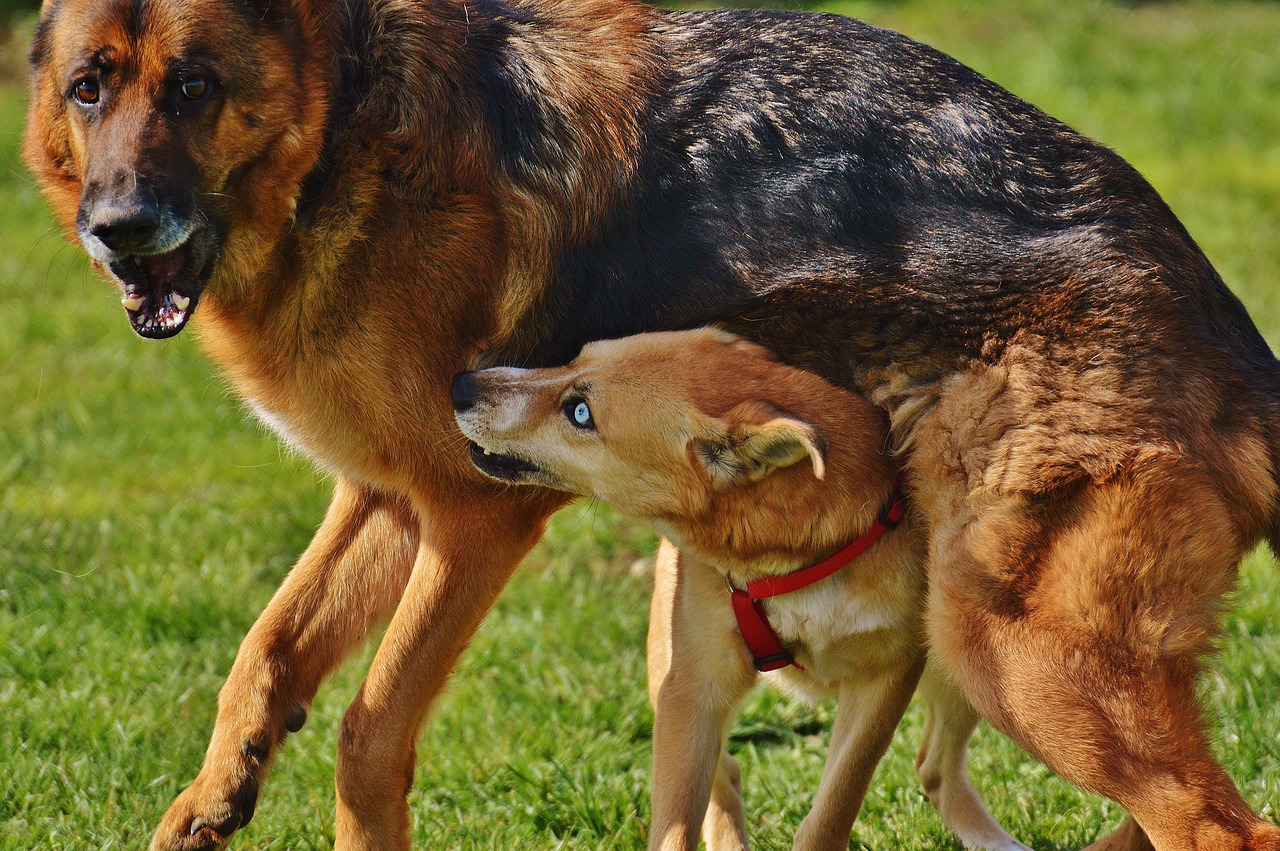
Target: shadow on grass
[765, 734]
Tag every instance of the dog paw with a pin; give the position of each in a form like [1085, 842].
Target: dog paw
[198, 821]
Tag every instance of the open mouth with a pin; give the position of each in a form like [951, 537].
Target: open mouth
[506, 468]
[161, 290]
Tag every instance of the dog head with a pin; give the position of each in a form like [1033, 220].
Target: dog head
[170, 135]
[699, 432]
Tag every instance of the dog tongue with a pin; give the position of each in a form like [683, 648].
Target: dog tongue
[163, 268]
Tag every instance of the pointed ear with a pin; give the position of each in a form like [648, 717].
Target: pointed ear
[758, 439]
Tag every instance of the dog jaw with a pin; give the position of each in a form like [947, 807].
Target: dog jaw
[160, 291]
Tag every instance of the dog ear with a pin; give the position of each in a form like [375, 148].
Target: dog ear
[758, 439]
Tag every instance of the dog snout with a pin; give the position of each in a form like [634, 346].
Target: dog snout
[122, 220]
[125, 227]
[463, 391]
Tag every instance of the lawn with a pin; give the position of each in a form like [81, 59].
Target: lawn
[144, 521]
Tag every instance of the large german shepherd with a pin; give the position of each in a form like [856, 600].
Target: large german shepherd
[361, 198]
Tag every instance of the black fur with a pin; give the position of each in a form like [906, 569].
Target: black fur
[816, 154]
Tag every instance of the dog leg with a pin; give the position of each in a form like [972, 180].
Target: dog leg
[470, 544]
[350, 576]
[1127, 837]
[661, 610]
[725, 827]
[868, 713]
[707, 674]
[949, 724]
[1076, 624]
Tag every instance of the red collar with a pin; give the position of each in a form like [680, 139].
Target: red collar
[766, 650]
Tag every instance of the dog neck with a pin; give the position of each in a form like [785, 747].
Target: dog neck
[786, 522]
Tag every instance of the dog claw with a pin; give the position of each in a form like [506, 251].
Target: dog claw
[224, 828]
[198, 821]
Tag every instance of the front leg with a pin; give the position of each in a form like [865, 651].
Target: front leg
[471, 542]
[350, 576]
[699, 671]
[869, 711]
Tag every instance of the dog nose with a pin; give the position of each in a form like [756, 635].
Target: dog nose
[463, 391]
[125, 228]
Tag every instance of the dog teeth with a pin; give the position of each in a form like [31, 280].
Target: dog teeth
[180, 301]
[132, 302]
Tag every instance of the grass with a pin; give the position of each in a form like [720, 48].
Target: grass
[144, 522]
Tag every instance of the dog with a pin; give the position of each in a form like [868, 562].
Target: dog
[754, 470]
[361, 199]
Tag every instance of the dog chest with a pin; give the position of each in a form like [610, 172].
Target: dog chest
[848, 627]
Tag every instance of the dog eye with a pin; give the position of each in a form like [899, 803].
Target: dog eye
[579, 414]
[86, 91]
[195, 88]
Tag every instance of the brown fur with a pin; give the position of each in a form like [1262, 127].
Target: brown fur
[1060, 360]
[752, 468]
[354, 375]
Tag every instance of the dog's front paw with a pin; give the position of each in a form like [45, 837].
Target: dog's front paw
[200, 820]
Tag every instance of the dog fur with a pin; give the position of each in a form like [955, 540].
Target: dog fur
[751, 468]
[361, 198]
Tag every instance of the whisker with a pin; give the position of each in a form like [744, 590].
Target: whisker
[40, 240]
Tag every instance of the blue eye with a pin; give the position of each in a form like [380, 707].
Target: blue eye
[579, 414]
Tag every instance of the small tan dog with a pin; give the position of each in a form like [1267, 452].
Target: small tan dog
[754, 469]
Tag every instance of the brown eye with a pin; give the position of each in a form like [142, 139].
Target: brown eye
[194, 88]
[86, 91]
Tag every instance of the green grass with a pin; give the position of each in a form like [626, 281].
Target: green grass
[144, 522]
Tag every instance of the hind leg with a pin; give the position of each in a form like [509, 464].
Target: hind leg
[949, 724]
[1076, 624]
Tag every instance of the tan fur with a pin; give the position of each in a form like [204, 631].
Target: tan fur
[322, 328]
[752, 468]
[1124, 577]
[373, 238]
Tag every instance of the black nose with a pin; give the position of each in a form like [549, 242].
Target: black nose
[125, 228]
[463, 391]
